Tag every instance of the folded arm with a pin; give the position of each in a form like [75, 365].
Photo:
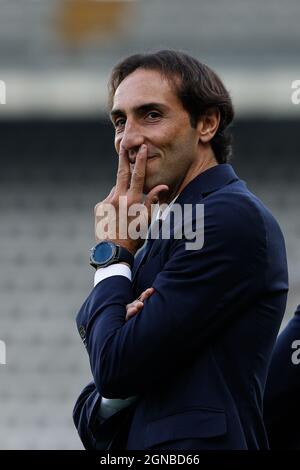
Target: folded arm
[196, 294]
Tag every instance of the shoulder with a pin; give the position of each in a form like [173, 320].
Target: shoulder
[233, 209]
[231, 224]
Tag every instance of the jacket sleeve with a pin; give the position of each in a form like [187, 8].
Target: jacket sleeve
[197, 294]
[84, 410]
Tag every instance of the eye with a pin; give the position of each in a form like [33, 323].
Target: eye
[154, 114]
[119, 122]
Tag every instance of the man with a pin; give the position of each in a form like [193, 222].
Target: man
[193, 361]
[281, 402]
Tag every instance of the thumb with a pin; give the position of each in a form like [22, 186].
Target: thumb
[152, 196]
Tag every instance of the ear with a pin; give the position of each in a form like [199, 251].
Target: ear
[208, 124]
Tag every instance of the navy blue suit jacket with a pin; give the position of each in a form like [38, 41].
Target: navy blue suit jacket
[197, 355]
[281, 403]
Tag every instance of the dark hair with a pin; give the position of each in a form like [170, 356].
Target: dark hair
[199, 88]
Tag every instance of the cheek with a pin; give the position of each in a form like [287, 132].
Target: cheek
[177, 135]
[186, 139]
[177, 143]
[165, 139]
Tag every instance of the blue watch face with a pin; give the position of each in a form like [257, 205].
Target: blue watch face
[104, 252]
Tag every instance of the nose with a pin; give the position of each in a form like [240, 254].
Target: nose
[131, 139]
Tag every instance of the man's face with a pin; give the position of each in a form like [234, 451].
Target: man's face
[147, 111]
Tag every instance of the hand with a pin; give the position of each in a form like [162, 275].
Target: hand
[130, 186]
[137, 305]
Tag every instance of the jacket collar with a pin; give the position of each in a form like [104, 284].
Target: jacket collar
[207, 182]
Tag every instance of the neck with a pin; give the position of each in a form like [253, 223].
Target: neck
[208, 161]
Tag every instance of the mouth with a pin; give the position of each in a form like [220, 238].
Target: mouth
[152, 157]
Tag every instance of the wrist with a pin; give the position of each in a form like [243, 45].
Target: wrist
[126, 264]
[121, 262]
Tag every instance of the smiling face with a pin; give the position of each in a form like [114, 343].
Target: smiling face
[146, 110]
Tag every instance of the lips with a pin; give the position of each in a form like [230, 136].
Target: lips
[152, 158]
[132, 162]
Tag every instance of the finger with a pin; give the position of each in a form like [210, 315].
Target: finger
[142, 294]
[146, 294]
[130, 315]
[123, 174]
[134, 304]
[153, 196]
[139, 171]
[131, 311]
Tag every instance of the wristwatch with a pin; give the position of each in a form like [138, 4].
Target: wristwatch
[106, 253]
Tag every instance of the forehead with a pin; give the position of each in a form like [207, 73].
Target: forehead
[145, 86]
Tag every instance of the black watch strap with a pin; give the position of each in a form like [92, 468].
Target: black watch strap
[124, 255]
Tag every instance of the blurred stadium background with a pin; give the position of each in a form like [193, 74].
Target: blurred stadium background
[58, 160]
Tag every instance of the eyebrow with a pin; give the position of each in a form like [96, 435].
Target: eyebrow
[139, 109]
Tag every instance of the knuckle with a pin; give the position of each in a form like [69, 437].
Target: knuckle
[122, 173]
[137, 174]
[113, 200]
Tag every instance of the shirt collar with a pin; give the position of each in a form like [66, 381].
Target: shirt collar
[162, 214]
